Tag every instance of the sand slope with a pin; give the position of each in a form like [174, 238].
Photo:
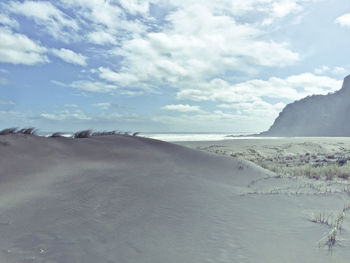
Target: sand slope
[128, 199]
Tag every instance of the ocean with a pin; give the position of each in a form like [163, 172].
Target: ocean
[186, 136]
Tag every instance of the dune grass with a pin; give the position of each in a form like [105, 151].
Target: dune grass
[334, 221]
[79, 134]
[25, 131]
[8, 131]
[82, 134]
[326, 172]
[56, 135]
[90, 133]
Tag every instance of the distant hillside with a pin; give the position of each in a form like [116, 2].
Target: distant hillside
[317, 115]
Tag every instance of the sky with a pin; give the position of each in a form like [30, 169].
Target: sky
[166, 65]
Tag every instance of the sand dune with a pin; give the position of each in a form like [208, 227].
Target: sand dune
[129, 199]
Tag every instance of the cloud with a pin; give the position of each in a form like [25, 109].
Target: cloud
[321, 70]
[334, 71]
[123, 79]
[93, 86]
[107, 105]
[283, 8]
[5, 102]
[101, 38]
[218, 120]
[56, 23]
[292, 88]
[13, 118]
[70, 56]
[59, 83]
[19, 49]
[65, 115]
[339, 71]
[196, 44]
[82, 120]
[127, 83]
[135, 6]
[258, 108]
[5, 20]
[71, 105]
[109, 19]
[182, 108]
[99, 12]
[343, 20]
[200, 50]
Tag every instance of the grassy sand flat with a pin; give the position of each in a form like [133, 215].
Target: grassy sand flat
[302, 167]
[319, 158]
[129, 199]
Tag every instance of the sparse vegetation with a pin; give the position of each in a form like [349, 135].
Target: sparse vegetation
[305, 169]
[334, 222]
[322, 218]
[8, 131]
[326, 172]
[56, 135]
[322, 165]
[90, 133]
[25, 131]
[104, 133]
[82, 134]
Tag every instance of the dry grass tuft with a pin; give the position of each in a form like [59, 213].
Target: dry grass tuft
[8, 131]
[82, 134]
[104, 133]
[27, 131]
[335, 222]
[57, 135]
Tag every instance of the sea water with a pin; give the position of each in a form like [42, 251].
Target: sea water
[185, 136]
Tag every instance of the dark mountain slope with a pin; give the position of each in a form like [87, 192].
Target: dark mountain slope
[317, 115]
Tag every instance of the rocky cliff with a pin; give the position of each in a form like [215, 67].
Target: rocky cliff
[317, 115]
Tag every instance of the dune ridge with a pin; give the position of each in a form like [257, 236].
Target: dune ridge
[130, 199]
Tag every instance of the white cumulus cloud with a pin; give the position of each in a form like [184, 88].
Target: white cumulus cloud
[196, 45]
[283, 8]
[17, 48]
[101, 38]
[107, 105]
[93, 86]
[66, 115]
[258, 108]
[334, 70]
[8, 21]
[292, 88]
[182, 108]
[344, 20]
[44, 13]
[70, 56]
